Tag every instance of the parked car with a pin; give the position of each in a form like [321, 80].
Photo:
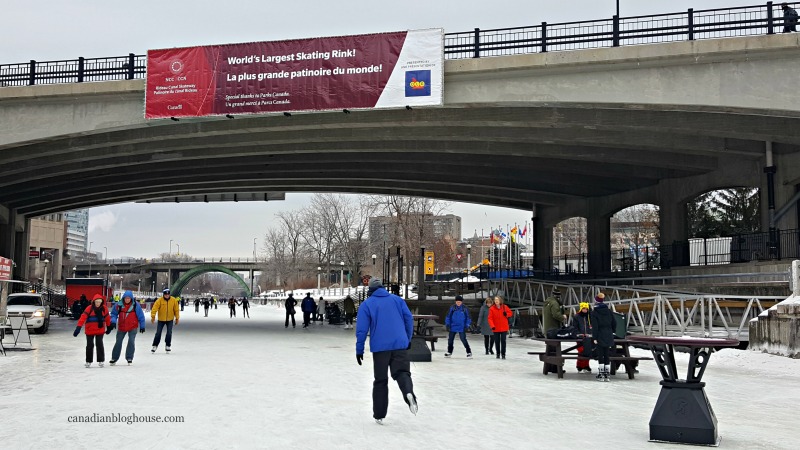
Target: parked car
[33, 308]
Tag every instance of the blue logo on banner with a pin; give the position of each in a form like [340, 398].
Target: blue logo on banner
[418, 83]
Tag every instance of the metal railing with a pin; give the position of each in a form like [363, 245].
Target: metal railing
[612, 32]
[648, 311]
[739, 248]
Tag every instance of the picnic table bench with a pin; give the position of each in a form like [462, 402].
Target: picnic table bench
[554, 356]
[423, 333]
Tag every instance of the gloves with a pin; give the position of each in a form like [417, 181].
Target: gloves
[77, 331]
[505, 314]
[492, 328]
[111, 328]
[359, 357]
[141, 330]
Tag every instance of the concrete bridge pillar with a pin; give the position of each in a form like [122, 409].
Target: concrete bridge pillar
[14, 238]
[598, 237]
[787, 184]
[542, 245]
[673, 221]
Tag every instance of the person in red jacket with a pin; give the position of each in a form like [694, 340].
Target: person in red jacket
[499, 314]
[96, 318]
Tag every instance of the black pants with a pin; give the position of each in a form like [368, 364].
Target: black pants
[233, 312]
[206, 310]
[789, 26]
[196, 308]
[245, 311]
[451, 338]
[306, 318]
[488, 342]
[396, 362]
[91, 343]
[290, 314]
[602, 354]
[500, 343]
[348, 319]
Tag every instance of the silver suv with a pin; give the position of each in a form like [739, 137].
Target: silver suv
[33, 308]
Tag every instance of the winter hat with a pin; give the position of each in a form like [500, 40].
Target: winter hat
[375, 283]
[128, 294]
[600, 298]
[556, 291]
[583, 305]
[459, 298]
[165, 291]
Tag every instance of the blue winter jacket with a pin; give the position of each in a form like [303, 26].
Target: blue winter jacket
[387, 320]
[458, 319]
[308, 305]
[120, 304]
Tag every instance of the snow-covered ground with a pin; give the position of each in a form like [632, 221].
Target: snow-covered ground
[242, 383]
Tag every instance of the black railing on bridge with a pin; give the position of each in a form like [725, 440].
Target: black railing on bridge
[740, 248]
[766, 18]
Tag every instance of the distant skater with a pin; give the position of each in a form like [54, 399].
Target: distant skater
[232, 307]
[245, 307]
[289, 305]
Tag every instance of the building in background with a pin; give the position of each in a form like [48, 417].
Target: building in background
[77, 233]
[47, 245]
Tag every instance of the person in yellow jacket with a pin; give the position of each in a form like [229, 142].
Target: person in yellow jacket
[168, 310]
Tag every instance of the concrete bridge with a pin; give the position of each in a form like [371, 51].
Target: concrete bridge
[579, 133]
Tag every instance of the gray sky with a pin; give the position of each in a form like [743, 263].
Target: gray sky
[47, 30]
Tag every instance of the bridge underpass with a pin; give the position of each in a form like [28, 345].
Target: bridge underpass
[559, 134]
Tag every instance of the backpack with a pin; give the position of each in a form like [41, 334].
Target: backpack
[565, 332]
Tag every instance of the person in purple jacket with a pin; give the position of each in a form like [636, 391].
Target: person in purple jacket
[388, 321]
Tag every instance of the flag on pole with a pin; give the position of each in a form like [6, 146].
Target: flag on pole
[524, 231]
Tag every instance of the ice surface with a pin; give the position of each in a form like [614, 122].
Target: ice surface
[251, 383]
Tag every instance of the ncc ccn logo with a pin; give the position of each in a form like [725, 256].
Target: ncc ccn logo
[418, 83]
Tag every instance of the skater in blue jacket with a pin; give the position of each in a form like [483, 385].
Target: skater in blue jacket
[458, 322]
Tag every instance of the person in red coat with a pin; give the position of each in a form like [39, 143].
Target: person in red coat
[499, 314]
[96, 318]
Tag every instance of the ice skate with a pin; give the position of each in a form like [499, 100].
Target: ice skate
[101, 364]
[130, 361]
[379, 421]
[447, 355]
[112, 362]
[412, 403]
[469, 355]
[168, 349]
[88, 365]
[153, 350]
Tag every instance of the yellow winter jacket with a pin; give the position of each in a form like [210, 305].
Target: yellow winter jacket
[167, 310]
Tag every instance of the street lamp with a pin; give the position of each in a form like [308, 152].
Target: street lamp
[46, 262]
[341, 278]
[374, 258]
[169, 255]
[179, 248]
[254, 251]
[105, 257]
[469, 259]
[319, 273]
[74, 269]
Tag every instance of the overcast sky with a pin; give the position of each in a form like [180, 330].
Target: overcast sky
[46, 30]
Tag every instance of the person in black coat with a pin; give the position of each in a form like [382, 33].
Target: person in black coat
[603, 326]
[290, 304]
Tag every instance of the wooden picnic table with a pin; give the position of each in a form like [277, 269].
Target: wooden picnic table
[423, 333]
[559, 350]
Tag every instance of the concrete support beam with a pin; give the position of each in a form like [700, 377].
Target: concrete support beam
[542, 244]
[598, 236]
[673, 220]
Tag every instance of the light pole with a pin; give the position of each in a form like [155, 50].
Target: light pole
[169, 255]
[46, 262]
[374, 257]
[74, 270]
[105, 254]
[179, 248]
[254, 251]
[341, 278]
[319, 274]
[469, 260]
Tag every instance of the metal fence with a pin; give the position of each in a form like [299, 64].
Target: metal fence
[687, 25]
[740, 248]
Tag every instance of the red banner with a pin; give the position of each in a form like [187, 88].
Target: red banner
[366, 71]
[5, 268]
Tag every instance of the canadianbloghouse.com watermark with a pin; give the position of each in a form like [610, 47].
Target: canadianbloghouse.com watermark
[129, 419]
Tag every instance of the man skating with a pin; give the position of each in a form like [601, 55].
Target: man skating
[390, 326]
[457, 322]
[168, 310]
[289, 305]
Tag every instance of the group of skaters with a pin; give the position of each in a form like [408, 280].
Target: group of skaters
[493, 319]
[318, 311]
[210, 302]
[127, 317]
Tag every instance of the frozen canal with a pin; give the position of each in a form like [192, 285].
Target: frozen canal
[240, 383]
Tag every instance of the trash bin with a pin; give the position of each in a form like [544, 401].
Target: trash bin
[622, 325]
